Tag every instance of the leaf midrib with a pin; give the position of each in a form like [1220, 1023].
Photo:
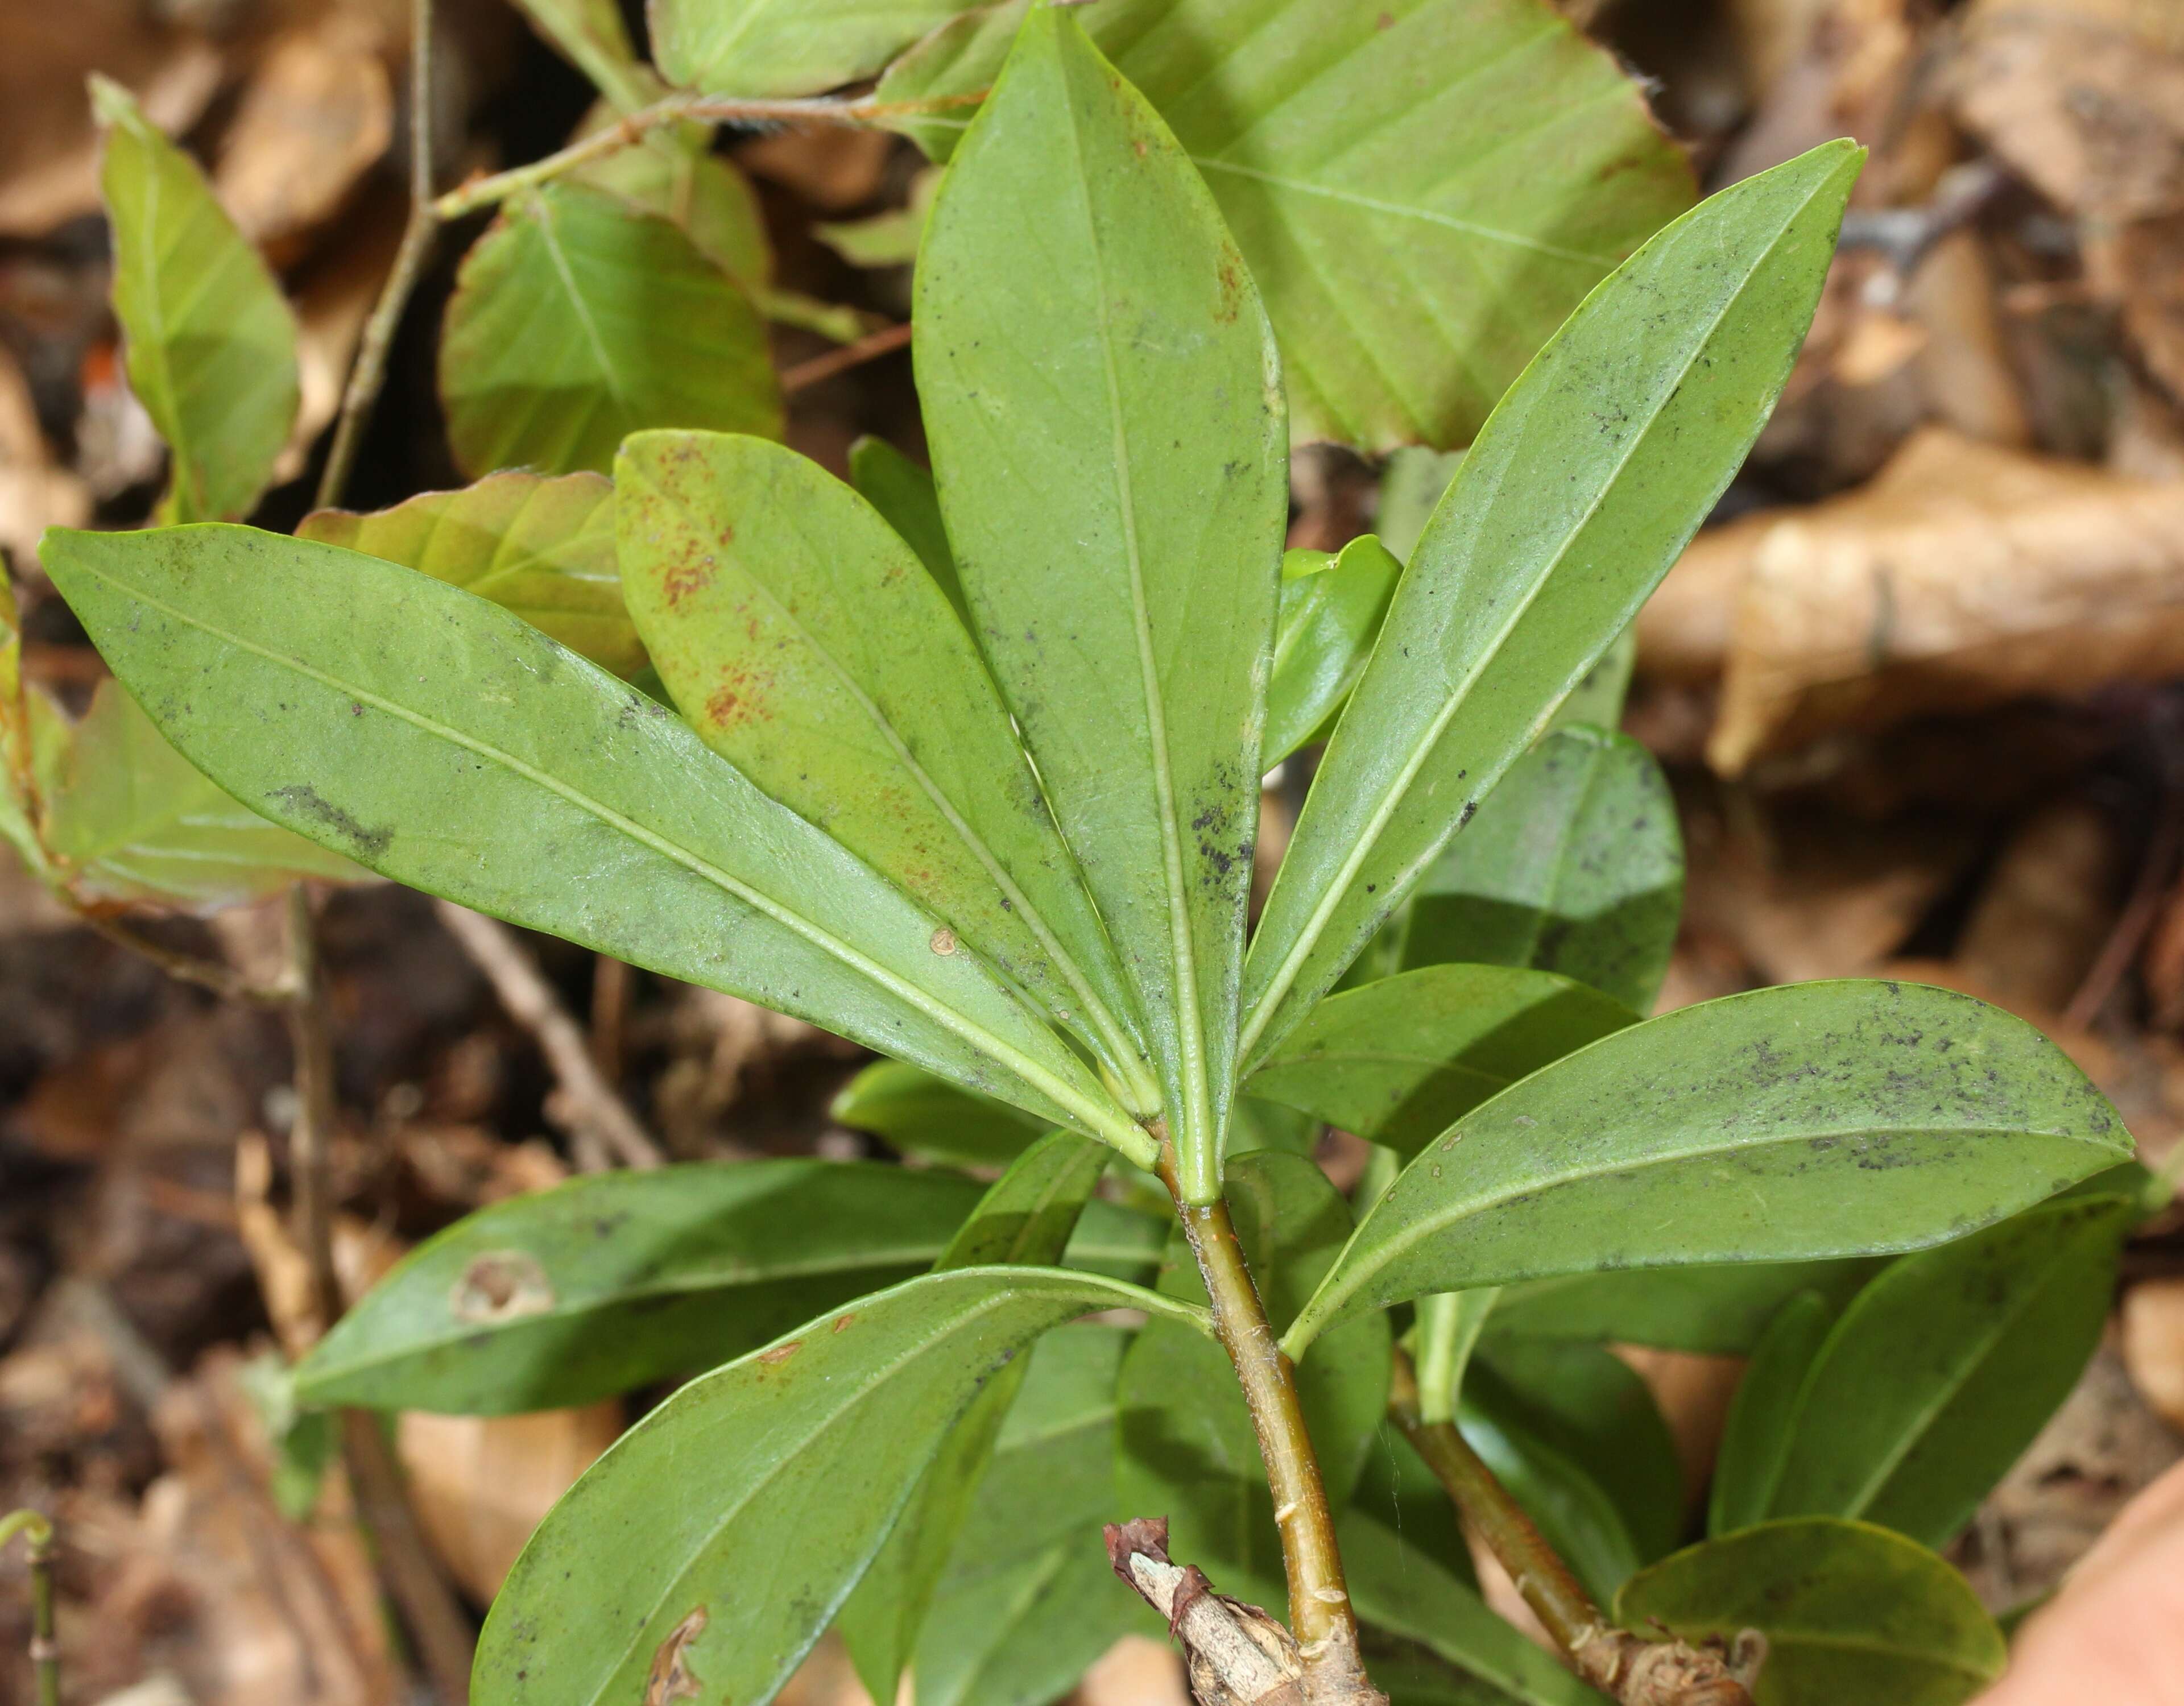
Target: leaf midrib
[1064, 1095]
[1286, 973]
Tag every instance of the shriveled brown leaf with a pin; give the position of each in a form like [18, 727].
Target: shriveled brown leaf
[2048, 905]
[2084, 99]
[317, 112]
[1963, 577]
[2153, 1341]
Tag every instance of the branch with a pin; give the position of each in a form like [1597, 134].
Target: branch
[38, 1533]
[1622, 1665]
[1236, 1654]
[590, 1104]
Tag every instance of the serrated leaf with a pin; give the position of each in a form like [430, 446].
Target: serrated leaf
[1850, 1612]
[1758, 1434]
[1939, 1374]
[1579, 492]
[753, 49]
[128, 820]
[672, 172]
[1394, 1589]
[902, 493]
[1331, 609]
[1819, 1119]
[209, 341]
[605, 1282]
[1102, 399]
[1423, 190]
[1573, 865]
[543, 548]
[717, 1538]
[808, 647]
[1719, 1311]
[578, 320]
[447, 744]
[1027, 1216]
[1399, 1060]
[1187, 1448]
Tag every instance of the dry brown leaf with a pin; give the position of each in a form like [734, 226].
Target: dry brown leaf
[1684, 629]
[1963, 368]
[1134, 1671]
[2154, 1345]
[48, 145]
[833, 167]
[1961, 577]
[2048, 907]
[2084, 99]
[482, 1484]
[35, 493]
[318, 111]
[2150, 258]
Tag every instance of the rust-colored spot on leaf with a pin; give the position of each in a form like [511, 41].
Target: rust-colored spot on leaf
[943, 942]
[842, 1321]
[685, 580]
[671, 1680]
[722, 706]
[501, 1286]
[781, 1353]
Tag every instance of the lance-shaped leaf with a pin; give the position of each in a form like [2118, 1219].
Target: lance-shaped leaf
[717, 1539]
[1394, 1589]
[1398, 1061]
[606, 1283]
[1330, 611]
[439, 740]
[1423, 190]
[1028, 1216]
[1758, 1435]
[903, 494]
[1819, 1119]
[578, 320]
[543, 548]
[1023, 1633]
[1187, 1447]
[1719, 1311]
[129, 819]
[762, 48]
[807, 646]
[210, 341]
[1850, 1612]
[1103, 402]
[1579, 492]
[1937, 1377]
[1573, 865]
[920, 1115]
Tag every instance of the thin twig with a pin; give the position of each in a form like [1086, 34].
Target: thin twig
[369, 370]
[869, 348]
[2135, 919]
[1622, 1665]
[589, 1102]
[222, 980]
[37, 1532]
[435, 1619]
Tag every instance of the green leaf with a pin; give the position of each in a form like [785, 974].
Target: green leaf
[545, 548]
[1579, 492]
[1394, 1589]
[920, 1115]
[1715, 1311]
[128, 820]
[591, 36]
[753, 48]
[1598, 697]
[1397, 1061]
[1398, 1492]
[715, 1540]
[1024, 1633]
[209, 340]
[1102, 399]
[1590, 1406]
[447, 744]
[1447, 1330]
[1188, 1450]
[807, 646]
[1412, 482]
[607, 1282]
[889, 238]
[1576, 865]
[673, 173]
[1027, 1216]
[1937, 1377]
[1571, 1507]
[1423, 191]
[1760, 1417]
[1850, 1612]
[1331, 610]
[1819, 1119]
[903, 494]
[578, 320]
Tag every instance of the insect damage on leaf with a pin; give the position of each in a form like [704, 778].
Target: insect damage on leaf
[670, 1678]
[501, 1286]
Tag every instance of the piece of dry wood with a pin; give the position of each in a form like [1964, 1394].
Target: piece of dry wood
[1235, 1655]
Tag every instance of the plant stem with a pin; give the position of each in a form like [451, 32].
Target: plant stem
[369, 370]
[38, 1533]
[1320, 1616]
[869, 348]
[1625, 1667]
